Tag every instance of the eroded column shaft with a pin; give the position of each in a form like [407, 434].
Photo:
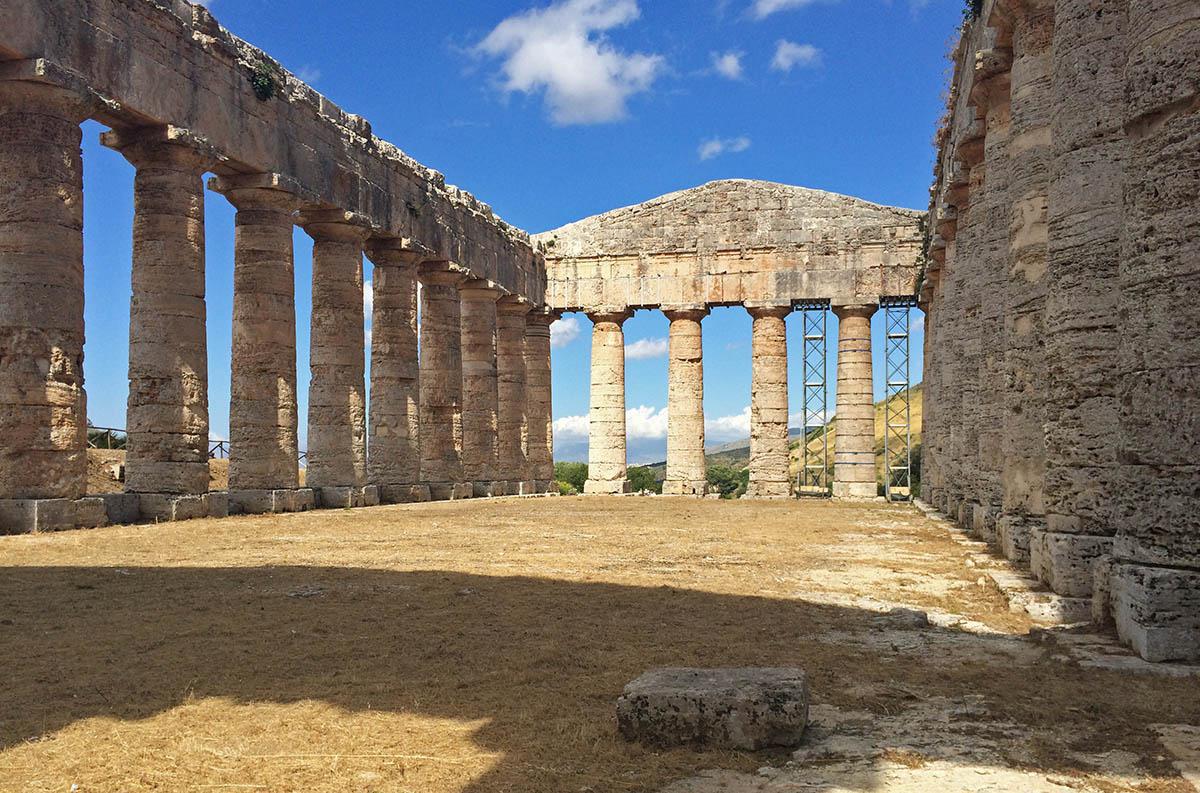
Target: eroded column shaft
[539, 428]
[394, 452]
[513, 404]
[43, 416]
[337, 391]
[263, 415]
[441, 379]
[606, 424]
[480, 394]
[167, 422]
[686, 467]
[769, 477]
[854, 447]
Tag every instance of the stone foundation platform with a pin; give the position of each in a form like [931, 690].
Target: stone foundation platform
[1157, 610]
[747, 709]
[698, 489]
[599, 487]
[403, 494]
[1066, 562]
[450, 491]
[263, 502]
[347, 497]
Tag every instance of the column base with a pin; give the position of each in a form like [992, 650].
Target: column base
[769, 490]
[403, 494]
[490, 489]
[1016, 536]
[1067, 562]
[450, 491]
[603, 487]
[1157, 611]
[163, 507]
[983, 523]
[855, 491]
[268, 502]
[347, 497]
[523, 487]
[545, 486]
[681, 487]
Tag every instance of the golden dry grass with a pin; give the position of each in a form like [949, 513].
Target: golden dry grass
[479, 647]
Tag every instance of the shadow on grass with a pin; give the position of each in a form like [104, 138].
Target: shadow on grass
[536, 658]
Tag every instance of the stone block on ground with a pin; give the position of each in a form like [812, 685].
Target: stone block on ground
[748, 708]
[122, 508]
[218, 504]
[165, 506]
[26, 515]
[370, 496]
[1157, 611]
[90, 513]
[403, 494]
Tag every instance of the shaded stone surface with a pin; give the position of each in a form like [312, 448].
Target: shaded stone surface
[746, 708]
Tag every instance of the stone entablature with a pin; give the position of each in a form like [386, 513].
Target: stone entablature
[169, 63]
[732, 241]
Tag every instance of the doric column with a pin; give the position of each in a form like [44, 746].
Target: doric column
[606, 435]
[394, 451]
[43, 417]
[262, 408]
[167, 422]
[480, 391]
[769, 477]
[513, 404]
[337, 421]
[539, 426]
[441, 380]
[854, 446]
[687, 470]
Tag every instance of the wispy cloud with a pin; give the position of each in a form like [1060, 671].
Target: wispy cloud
[564, 331]
[764, 8]
[715, 147]
[644, 349]
[789, 55]
[728, 64]
[308, 74]
[561, 50]
[728, 428]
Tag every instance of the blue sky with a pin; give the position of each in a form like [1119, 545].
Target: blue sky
[552, 112]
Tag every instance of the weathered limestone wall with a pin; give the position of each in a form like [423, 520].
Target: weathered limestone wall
[1100, 268]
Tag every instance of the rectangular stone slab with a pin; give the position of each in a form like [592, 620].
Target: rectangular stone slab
[749, 708]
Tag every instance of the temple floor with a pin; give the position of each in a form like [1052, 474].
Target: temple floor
[480, 646]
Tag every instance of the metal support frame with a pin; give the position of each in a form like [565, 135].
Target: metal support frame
[897, 411]
[813, 479]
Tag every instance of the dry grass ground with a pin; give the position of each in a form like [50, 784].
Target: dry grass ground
[480, 647]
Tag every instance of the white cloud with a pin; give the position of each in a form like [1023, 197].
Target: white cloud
[644, 349]
[308, 74]
[368, 300]
[789, 54]
[728, 64]
[570, 427]
[728, 428]
[560, 49]
[641, 423]
[764, 8]
[564, 331]
[714, 147]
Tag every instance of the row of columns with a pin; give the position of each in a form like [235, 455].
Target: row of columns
[466, 413]
[770, 477]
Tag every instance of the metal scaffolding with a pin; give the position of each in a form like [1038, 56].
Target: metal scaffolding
[897, 411]
[813, 478]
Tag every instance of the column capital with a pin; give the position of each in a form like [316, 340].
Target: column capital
[759, 309]
[394, 251]
[694, 312]
[513, 305]
[439, 272]
[540, 319]
[49, 84]
[259, 191]
[606, 314]
[335, 225]
[855, 310]
[164, 146]
[480, 289]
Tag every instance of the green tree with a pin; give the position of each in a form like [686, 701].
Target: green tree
[643, 478]
[729, 481]
[573, 474]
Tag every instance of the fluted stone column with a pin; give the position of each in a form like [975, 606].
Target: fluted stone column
[441, 381]
[43, 417]
[539, 425]
[769, 477]
[337, 421]
[854, 452]
[480, 395]
[513, 404]
[167, 451]
[606, 436]
[687, 470]
[263, 466]
[394, 451]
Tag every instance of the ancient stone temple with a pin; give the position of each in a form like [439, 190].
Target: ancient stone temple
[1062, 369]
[766, 247]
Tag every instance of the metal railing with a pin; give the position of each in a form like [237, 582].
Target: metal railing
[115, 438]
[812, 479]
[897, 406]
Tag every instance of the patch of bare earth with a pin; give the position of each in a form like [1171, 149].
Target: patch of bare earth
[480, 646]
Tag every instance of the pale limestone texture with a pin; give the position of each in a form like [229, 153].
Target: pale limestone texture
[1102, 158]
[539, 426]
[854, 452]
[167, 422]
[441, 379]
[769, 404]
[394, 456]
[337, 448]
[686, 467]
[606, 438]
[511, 407]
[480, 389]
